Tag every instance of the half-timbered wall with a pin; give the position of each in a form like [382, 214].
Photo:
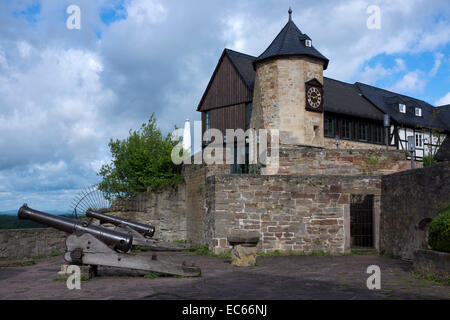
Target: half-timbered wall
[422, 137]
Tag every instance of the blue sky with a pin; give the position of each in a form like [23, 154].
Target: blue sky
[64, 93]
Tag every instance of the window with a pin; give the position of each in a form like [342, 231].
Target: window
[419, 140]
[329, 127]
[346, 129]
[308, 43]
[248, 114]
[363, 131]
[207, 120]
[402, 108]
[207, 123]
[378, 134]
[418, 112]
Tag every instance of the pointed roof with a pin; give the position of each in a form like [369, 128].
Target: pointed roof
[291, 42]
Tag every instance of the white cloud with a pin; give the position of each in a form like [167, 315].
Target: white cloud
[437, 64]
[444, 100]
[371, 75]
[412, 82]
[24, 48]
[144, 11]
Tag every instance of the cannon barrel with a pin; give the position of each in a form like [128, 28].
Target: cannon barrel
[143, 229]
[118, 240]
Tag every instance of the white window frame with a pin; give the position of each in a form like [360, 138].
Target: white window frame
[308, 43]
[401, 108]
[419, 140]
[418, 112]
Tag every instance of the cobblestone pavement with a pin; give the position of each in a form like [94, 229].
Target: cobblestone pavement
[293, 277]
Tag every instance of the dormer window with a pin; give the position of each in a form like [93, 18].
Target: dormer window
[308, 43]
[402, 108]
[418, 112]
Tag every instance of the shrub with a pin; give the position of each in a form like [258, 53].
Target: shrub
[439, 232]
[428, 161]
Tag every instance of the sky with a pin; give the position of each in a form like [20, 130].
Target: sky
[64, 93]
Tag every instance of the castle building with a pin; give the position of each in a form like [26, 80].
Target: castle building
[284, 88]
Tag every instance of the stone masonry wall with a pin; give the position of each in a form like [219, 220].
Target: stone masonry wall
[318, 161]
[330, 143]
[292, 212]
[196, 208]
[21, 243]
[279, 100]
[410, 199]
[164, 209]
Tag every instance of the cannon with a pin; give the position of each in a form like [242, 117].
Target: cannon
[89, 244]
[141, 233]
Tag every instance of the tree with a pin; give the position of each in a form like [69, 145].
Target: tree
[142, 160]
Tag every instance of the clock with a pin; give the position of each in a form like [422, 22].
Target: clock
[314, 96]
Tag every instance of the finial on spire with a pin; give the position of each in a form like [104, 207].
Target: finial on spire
[290, 14]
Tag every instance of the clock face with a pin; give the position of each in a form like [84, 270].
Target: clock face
[314, 97]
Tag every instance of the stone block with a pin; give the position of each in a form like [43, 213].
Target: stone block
[243, 256]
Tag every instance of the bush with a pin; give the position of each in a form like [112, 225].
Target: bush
[439, 232]
[428, 161]
[140, 161]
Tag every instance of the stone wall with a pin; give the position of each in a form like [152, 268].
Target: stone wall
[410, 199]
[279, 100]
[21, 243]
[318, 161]
[292, 212]
[196, 208]
[330, 143]
[164, 209]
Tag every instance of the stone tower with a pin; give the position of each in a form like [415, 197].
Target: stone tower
[283, 98]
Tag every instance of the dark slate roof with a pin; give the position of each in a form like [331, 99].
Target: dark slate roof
[443, 153]
[244, 66]
[444, 113]
[388, 101]
[291, 42]
[344, 98]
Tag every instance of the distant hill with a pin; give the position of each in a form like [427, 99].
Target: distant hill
[10, 221]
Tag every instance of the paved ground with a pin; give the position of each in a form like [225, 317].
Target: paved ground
[295, 277]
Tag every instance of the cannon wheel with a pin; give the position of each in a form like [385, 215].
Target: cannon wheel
[90, 198]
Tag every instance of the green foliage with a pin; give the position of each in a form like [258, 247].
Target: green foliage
[371, 165]
[430, 277]
[439, 232]
[152, 275]
[204, 251]
[428, 160]
[142, 160]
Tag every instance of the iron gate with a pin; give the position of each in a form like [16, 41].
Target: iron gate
[361, 221]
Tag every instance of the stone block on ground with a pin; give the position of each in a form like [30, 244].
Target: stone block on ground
[242, 256]
[244, 249]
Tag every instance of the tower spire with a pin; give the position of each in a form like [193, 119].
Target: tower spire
[290, 14]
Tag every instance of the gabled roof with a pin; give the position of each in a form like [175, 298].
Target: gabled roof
[444, 113]
[291, 42]
[344, 98]
[244, 65]
[443, 153]
[388, 102]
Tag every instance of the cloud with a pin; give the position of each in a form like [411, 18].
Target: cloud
[444, 100]
[437, 64]
[371, 75]
[65, 93]
[412, 82]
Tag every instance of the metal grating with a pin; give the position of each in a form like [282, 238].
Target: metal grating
[361, 221]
